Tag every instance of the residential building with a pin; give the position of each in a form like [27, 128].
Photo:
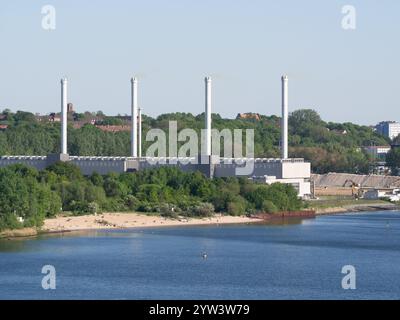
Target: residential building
[390, 129]
[249, 115]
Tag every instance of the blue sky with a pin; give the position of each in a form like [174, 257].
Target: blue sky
[171, 45]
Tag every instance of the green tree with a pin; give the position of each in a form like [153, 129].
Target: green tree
[269, 207]
[66, 170]
[393, 161]
[23, 196]
[304, 118]
[237, 207]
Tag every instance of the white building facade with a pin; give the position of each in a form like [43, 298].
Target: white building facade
[390, 129]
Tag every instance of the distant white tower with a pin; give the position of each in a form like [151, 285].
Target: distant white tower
[284, 124]
[208, 116]
[64, 115]
[134, 105]
[140, 131]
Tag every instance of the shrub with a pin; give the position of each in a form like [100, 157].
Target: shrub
[131, 202]
[66, 170]
[145, 206]
[237, 207]
[203, 210]
[114, 205]
[169, 210]
[269, 207]
[92, 208]
[9, 221]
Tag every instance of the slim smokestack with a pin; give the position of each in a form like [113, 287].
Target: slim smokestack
[208, 116]
[284, 124]
[64, 103]
[134, 117]
[140, 131]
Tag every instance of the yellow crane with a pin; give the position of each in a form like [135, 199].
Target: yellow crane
[355, 188]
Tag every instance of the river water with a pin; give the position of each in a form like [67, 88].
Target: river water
[297, 260]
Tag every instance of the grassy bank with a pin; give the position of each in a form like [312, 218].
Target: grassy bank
[338, 204]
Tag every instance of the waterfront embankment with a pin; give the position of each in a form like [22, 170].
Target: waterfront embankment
[366, 207]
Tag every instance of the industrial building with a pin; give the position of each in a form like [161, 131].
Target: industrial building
[296, 172]
[378, 152]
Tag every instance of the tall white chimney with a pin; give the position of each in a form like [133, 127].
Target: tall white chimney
[284, 124]
[134, 141]
[140, 131]
[64, 115]
[208, 116]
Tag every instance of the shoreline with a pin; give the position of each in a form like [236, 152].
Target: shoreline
[110, 221]
[121, 221]
[356, 208]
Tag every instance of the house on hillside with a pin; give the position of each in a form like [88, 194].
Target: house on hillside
[249, 115]
[53, 117]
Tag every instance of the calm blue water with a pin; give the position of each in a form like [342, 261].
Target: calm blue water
[296, 261]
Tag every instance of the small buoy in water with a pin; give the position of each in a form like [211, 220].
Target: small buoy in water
[204, 255]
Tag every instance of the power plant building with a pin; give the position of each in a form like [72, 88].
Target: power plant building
[296, 172]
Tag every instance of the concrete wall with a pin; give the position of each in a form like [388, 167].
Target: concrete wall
[189, 167]
[278, 169]
[305, 188]
[260, 169]
[89, 166]
[293, 170]
[333, 191]
[39, 163]
[339, 180]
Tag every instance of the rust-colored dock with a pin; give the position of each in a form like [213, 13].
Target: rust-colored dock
[306, 214]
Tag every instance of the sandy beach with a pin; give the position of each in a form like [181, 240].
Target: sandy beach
[136, 220]
[132, 220]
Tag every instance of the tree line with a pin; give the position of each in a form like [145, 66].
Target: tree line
[331, 147]
[28, 196]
